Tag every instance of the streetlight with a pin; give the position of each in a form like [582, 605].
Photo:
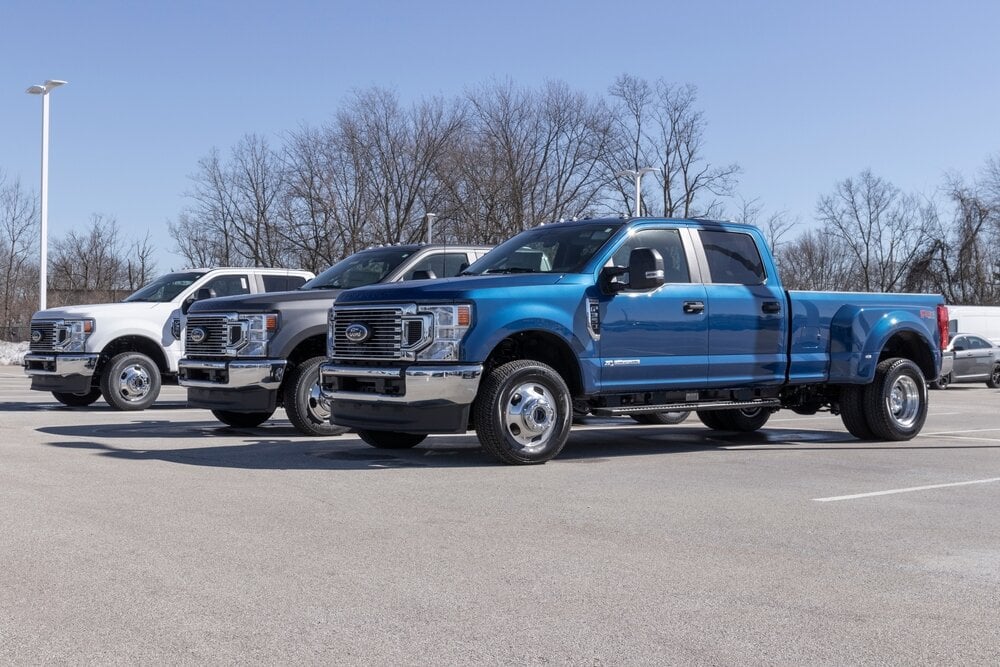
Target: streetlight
[44, 90]
[637, 174]
[430, 224]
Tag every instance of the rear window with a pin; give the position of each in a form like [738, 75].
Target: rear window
[282, 283]
[732, 258]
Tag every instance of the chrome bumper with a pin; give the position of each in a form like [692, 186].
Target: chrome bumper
[443, 384]
[262, 373]
[60, 364]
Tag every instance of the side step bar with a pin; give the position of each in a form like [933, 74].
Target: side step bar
[693, 405]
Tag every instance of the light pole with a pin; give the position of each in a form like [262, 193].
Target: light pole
[637, 175]
[44, 90]
[430, 224]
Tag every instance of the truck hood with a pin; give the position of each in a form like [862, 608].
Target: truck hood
[99, 310]
[262, 302]
[457, 289]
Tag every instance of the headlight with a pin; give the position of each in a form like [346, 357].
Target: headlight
[71, 335]
[448, 325]
[251, 333]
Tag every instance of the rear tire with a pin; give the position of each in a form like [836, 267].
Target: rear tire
[716, 419]
[852, 411]
[391, 439]
[130, 381]
[305, 406]
[672, 417]
[242, 419]
[749, 419]
[77, 400]
[896, 401]
[523, 413]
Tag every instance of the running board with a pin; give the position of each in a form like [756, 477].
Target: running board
[693, 405]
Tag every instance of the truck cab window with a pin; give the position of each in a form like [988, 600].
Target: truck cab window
[667, 242]
[229, 285]
[732, 258]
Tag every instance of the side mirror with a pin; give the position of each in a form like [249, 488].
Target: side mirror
[423, 274]
[203, 293]
[608, 280]
[645, 269]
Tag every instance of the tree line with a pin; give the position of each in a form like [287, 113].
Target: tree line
[496, 160]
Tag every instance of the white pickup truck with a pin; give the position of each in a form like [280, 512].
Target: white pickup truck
[125, 351]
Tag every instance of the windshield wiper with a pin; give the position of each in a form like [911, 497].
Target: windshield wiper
[327, 286]
[511, 269]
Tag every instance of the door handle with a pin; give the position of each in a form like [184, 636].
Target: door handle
[771, 307]
[694, 306]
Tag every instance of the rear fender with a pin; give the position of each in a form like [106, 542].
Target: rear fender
[858, 335]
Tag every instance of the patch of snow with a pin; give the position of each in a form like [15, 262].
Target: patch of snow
[12, 354]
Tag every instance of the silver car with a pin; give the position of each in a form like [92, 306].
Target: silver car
[973, 359]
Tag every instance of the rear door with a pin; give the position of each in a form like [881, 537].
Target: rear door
[973, 357]
[747, 322]
[655, 340]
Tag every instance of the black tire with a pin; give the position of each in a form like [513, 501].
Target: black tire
[130, 381]
[77, 400]
[391, 439]
[523, 413]
[673, 417]
[994, 380]
[852, 411]
[896, 400]
[305, 406]
[242, 419]
[942, 382]
[748, 419]
[716, 419]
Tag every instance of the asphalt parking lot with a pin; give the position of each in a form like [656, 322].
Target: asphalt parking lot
[163, 536]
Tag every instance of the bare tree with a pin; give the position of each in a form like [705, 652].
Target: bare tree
[18, 258]
[884, 229]
[817, 260]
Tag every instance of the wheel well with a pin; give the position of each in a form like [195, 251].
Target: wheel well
[910, 346]
[134, 344]
[314, 346]
[539, 346]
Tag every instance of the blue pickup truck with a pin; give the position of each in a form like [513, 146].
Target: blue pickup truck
[624, 317]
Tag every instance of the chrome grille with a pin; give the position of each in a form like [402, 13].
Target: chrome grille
[216, 341]
[385, 325]
[47, 332]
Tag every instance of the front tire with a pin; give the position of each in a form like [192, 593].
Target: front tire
[749, 419]
[130, 381]
[943, 381]
[391, 439]
[242, 419]
[77, 400]
[896, 401]
[305, 406]
[994, 380]
[523, 413]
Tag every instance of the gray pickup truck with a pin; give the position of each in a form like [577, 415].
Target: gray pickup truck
[244, 379]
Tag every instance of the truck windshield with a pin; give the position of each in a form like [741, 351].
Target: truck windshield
[364, 268]
[166, 287]
[549, 249]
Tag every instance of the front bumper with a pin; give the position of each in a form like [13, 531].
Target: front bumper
[257, 373]
[416, 399]
[70, 373]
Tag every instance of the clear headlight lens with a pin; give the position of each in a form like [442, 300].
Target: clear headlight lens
[449, 324]
[254, 332]
[71, 335]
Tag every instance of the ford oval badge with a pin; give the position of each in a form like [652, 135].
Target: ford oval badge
[198, 335]
[357, 332]
[36, 336]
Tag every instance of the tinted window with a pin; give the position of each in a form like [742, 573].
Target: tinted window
[363, 268]
[229, 285]
[282, 283]
[440, 265]
[165, 288]
[977, 343]
[665, 241]
[550, 249]
[732, 258]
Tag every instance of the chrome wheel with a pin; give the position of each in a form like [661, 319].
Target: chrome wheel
[530, 415]
[904, 401]
[317, 405]
[134, 383]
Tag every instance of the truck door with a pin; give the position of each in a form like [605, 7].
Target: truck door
[747, 322]
[655, 340]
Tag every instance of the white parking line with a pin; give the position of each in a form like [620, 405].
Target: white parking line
[906, 490]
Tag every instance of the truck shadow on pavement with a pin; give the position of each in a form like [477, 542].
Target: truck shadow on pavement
[349, 453]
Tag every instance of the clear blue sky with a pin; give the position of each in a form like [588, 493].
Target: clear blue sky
[800, 94]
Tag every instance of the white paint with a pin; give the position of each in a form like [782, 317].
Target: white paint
[906, 490]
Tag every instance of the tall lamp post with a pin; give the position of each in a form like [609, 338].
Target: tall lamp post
[44, 90]
[636, 175]
[430, 224]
